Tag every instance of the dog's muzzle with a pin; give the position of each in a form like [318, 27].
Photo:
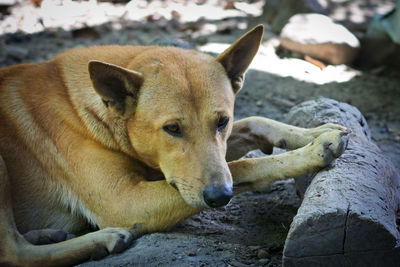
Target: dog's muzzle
[217, 196]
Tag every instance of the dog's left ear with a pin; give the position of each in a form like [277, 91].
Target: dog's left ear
[237, 58]
[118, 87]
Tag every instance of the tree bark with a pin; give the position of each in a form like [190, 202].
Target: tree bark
[350, 211]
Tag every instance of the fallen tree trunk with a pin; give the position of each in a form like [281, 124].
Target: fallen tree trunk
[350, 211]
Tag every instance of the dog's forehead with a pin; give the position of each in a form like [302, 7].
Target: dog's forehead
[184, 80]
[175, 61]
[187, 72]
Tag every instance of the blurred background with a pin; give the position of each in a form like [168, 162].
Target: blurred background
[192, 21]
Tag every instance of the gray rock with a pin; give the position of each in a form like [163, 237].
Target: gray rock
[18, 53]
[386, 25]
[349, 212]
[355, 15]
[278, 12]
[263, 254]
[380, 45]
[318, 36]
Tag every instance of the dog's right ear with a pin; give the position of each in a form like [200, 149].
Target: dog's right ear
[118, 87]
[237, 58]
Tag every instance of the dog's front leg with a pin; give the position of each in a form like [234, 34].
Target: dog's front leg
[145, 206]
[262, 133]
[257, 173]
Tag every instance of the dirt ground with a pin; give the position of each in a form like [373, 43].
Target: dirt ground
[251, 230]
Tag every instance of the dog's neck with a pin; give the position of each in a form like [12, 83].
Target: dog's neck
[107, 129]
[100, 124]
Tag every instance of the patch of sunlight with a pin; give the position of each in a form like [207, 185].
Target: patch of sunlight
[70, 14]
[190, 11]
[267, 61]
[214, 48]
[358, 11]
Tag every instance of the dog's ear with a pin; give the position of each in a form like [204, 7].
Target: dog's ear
[118, 87]
[237, 58]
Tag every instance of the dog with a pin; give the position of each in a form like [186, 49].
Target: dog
[132, 140]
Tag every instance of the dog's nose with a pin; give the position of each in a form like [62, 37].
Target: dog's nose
[217, 196]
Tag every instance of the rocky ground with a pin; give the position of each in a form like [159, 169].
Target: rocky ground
[251, 230]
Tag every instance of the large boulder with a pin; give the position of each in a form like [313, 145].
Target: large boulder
[319, 37]
[355, 15]
[278, 12]
[381, 44]
[350, 212]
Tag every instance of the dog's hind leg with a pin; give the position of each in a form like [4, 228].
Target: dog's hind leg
[47, 236]
[261, 133]
[16, 251]
[9, 236]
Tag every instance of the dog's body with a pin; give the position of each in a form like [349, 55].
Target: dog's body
[138, 142]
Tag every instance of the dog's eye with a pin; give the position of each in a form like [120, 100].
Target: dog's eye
[173, 129]
[222, 122]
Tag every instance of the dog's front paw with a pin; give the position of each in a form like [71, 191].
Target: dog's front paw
[330, 145]
[118, 239]
[328, 127]
[112, 240]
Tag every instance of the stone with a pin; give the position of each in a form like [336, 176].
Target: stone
[386, 25]
[263, 254]
[383, 35]
[319, 37]
[18, 53]
[355, 15]
[191, 253]
[278, 12]
[264, 261]
[349, 214]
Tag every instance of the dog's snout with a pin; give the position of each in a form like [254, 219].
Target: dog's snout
[217, 196]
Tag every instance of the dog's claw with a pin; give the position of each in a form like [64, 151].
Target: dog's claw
[345, 132]
[328, 127]
[342, 144]
[118, 239]
[333, 144]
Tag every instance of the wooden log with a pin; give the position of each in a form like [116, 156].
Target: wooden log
[350, 213]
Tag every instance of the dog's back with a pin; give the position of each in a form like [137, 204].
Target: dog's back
[32, 96]
[38, 108]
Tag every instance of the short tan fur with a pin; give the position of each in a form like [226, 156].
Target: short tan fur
[132, 140]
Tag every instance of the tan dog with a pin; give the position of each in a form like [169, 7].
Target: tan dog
[132, 137]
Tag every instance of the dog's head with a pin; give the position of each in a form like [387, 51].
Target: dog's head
[178, 107]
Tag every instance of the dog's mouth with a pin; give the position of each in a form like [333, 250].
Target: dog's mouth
[190, 197]
[174, 186]
[163, 178]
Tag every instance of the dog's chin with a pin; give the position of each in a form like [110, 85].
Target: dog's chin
[195, 202]
[198, 205]
[191, 201]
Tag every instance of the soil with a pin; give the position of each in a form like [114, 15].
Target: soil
[251, 230]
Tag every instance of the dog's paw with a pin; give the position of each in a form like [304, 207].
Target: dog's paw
[328, 127]
[330, 145]
[113, 240]
[47, 236]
